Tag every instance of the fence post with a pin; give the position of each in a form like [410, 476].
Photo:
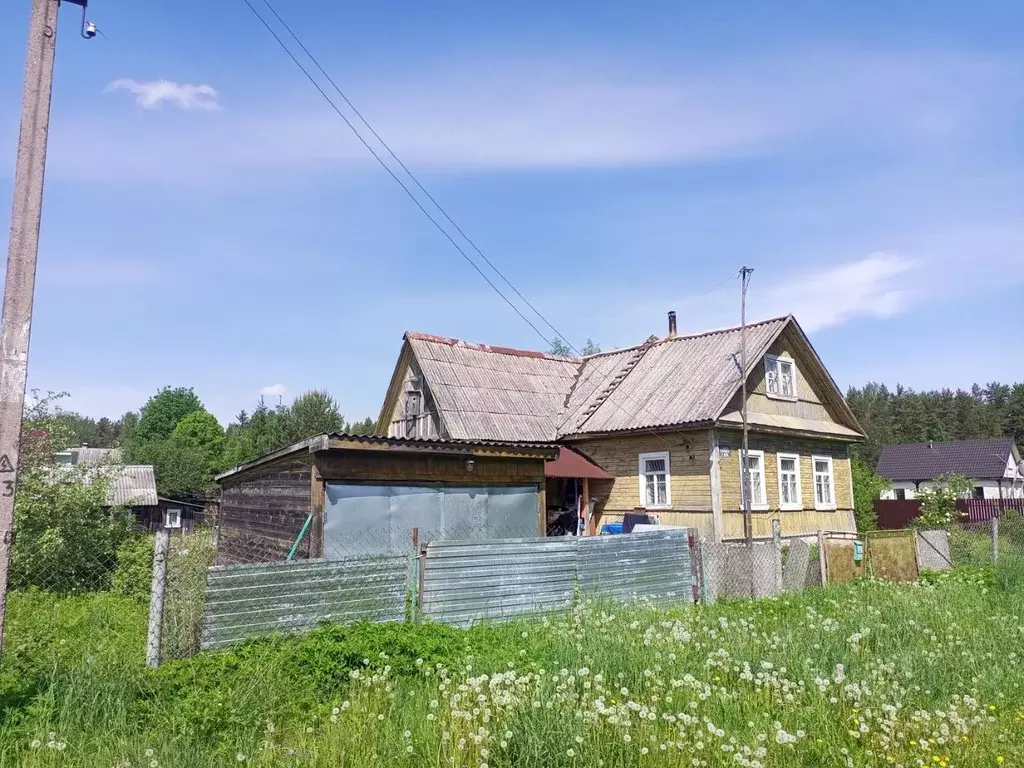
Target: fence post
[821, 557]
[695, 566]
[995, 539]
[415, 574]
[156, 596]
[777, 549]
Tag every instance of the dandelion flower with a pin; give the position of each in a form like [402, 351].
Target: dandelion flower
[36, 744]
[644, 751]
[409, 749]
[570, 752]
[335, 711]
[240, 757]
[153, 764]
[149, 752]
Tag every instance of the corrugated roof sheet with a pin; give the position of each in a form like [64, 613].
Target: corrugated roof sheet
[132, 485]
[95, 455]
[496, 393]
[679, 380]
[976, 459]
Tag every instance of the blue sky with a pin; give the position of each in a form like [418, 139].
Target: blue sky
[224, 230]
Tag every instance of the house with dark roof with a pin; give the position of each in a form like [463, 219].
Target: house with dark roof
[658, 425]
[993, 465]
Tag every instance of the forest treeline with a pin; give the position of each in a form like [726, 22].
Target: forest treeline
[905, 416]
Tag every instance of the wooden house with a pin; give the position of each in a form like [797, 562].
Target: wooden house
[661, 421]
[360, 495]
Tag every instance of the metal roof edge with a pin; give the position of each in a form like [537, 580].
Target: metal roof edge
[310, 444]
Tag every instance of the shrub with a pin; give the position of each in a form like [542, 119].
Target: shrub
[134, 567]
[938, 503]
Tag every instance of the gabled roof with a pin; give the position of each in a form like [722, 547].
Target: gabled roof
[975, 459]
[493, 393]
[668, 382]
[497, 393]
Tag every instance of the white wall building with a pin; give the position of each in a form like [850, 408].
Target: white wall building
[993, 466]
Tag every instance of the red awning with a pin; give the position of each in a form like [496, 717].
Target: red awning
[570, 463]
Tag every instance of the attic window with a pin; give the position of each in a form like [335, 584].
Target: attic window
[780, 377]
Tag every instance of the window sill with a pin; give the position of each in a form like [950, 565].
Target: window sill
[826, 508]
[658, 508]
[759, 508]
[791, 508]
[787, 398]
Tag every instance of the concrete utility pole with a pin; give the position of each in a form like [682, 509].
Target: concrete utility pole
[23, 248]
[748, 520]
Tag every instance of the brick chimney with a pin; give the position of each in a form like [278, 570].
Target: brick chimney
[672, 324]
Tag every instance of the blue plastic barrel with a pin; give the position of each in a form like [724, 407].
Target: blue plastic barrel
[608, 528]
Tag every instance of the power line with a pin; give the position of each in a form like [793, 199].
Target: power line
[416, 180]
[417, 202]
[391, 173]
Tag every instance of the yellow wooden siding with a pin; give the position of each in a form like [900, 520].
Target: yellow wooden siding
[809, 402]
[807, 520]
[689, 462]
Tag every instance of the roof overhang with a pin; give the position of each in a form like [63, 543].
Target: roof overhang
[573, 464]
[376, 443]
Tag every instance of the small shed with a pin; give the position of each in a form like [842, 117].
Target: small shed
[347, 495]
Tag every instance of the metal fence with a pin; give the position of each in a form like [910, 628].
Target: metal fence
[245, 601]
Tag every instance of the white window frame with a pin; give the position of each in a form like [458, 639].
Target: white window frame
[831, 481]
[799, 503]
[754, 503]
[642, 486]
[778, 361]
[167, 518]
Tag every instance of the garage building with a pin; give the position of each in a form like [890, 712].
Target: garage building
[344, 495]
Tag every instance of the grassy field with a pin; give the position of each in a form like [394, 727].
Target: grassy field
[864, 674]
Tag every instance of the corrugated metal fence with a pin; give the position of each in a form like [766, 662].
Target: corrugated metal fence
[459, 582]
[467, 581]
[652, 565]
[245, 601]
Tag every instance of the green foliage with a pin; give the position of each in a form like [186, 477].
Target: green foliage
[67, 536]
[134, 567]
[906, 416]
[312, 413]
[162, 412]
[201, 433]
[267, 429]
[561, 347]
[930, 659]
[83, 430]
[867, 486]
[938, 503]
[180, 468]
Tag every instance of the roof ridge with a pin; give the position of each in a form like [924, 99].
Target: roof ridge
[624, 371]
[480, 347]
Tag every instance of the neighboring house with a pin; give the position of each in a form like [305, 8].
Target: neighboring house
[658, 424]
[993, 465]
[133, 486]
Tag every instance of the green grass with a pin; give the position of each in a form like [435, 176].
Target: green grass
[932, 673]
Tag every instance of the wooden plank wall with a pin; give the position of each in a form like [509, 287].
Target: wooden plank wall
[398, 467]
[805, 521]
[689, 464]
[262, 512]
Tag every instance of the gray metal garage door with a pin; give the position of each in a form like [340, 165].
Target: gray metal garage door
[378, 519]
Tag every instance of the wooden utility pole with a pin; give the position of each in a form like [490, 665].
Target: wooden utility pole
[748, 520]
[23, 248]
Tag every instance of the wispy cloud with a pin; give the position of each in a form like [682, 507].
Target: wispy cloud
[554, 115]
[153, 94]
[875, 286]
[274, 390]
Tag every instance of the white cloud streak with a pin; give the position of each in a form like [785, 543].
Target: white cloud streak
[153, 94]
[553, 115]
[274, 390]
[878, 286]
